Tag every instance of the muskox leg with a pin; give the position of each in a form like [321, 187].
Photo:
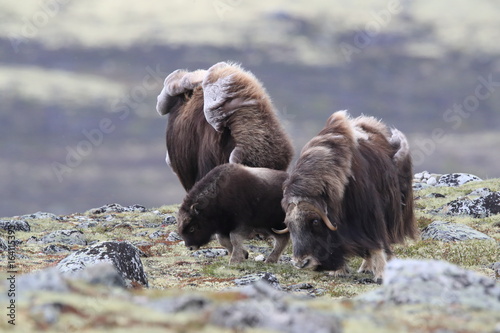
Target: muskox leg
[226, 242]
[374, 262]
[378, 262]
[280, 242]
[239, 253]
[341, 272]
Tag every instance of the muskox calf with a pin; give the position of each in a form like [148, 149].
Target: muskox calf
[234, 202]
[220, 115]
[350, 193]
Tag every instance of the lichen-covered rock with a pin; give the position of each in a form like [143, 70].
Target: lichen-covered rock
[15, 225]
[267, 308]
[123, 255]
[450, 232]
[174, 237]
[3, 245]
[69, 237]
[41, 215]
[157, 234]
[434, 282]
[116, 208]
[52, 279]
[478, 208]
[55, 249]
[456, 179]
[261, 276]
[169, 220]
[210, 253]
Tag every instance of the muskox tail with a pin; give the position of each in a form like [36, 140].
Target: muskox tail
[403, 162]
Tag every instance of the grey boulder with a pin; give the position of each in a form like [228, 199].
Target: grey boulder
[450, 232]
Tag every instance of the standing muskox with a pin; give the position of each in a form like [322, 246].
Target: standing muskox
[350, 193]
[234, 202]
[217, 116]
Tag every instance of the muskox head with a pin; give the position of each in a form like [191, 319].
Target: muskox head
[192, 227]
[315, 239]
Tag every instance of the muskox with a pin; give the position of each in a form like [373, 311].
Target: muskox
[220, 115]
[234, 202]
[350, 193]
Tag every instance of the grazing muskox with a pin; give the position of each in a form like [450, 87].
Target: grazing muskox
[349, 194]
[217, 116]
[234, 202]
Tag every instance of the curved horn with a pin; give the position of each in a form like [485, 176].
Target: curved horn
[325, 218]
[327, 222]
[280, 232]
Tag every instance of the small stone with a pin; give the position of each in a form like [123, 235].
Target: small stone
[435, 195]
[425, 175]
[56, 249]
[3, 245]
[260, 257]
[450, 232]
[116, 208]
[15, 225]
[456, 179]
[170, 220]
[174, 237]
[262, 276]
[480, 192]
[69, 237]
[431, 181]
[41, 215]
[157, 234]
[210, 253]
[418, 176]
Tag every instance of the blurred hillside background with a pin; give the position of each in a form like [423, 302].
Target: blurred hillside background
[79, 80]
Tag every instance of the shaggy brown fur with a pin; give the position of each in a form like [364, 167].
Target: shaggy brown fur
[234, 202]
[352, 173]
[217, 116]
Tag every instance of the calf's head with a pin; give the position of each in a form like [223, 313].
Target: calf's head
[192, 227]
[314, 237]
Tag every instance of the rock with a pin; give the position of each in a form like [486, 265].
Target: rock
[434, 282]
[170, 220]
[496, 268]
[3, 245]
[450, 232]
[116, 208]
[456, 179]
[157, 234]
[260, 257]
[188, 302]
[435, 195]
[51, 279]
[124, 256]
[69, 237]
[56, 249]
[431, 181]
[265, 308]
[261, 276]
[418, 176]
[15, 225]
[210, 253]
[478, 208]
[480, 192]
[174, 237]
[41, 215]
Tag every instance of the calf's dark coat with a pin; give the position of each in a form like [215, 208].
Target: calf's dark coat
[234, 202]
